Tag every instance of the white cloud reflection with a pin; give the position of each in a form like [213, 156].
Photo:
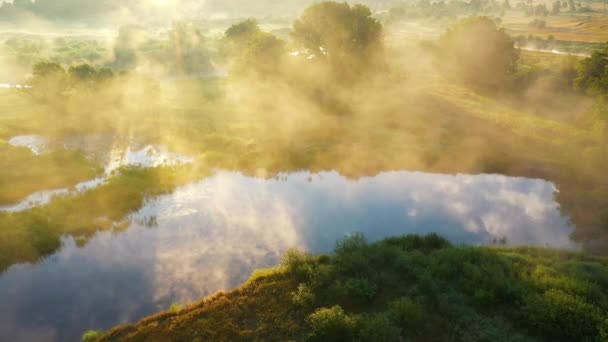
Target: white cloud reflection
[211, 234]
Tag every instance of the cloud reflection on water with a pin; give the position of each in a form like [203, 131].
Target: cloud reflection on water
[211, 234]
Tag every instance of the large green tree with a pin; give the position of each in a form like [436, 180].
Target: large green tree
[478, 53]
[349, 38]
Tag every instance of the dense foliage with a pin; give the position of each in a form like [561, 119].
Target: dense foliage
[593, 73]
[53, 170]
[412, 288]
[478, 53]
[252, 51]
[349, 38]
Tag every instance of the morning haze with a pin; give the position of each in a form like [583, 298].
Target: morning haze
[177, 170]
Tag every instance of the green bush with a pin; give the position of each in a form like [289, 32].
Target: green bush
[294, 259]
[352, 256]
[351, 244]
[323, 276]
[378, 328]
[604, 330]
[92, 335]
[561, 316]
[331, 324]
[426, 244]
[303, 296]
[361, 289]
[407, 314]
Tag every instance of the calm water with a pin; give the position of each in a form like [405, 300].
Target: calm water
[212, 234]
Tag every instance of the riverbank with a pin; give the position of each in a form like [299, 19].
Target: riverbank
[411, 287]
[23, 173]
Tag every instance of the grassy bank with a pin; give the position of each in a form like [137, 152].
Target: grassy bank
[30, 235]
[23, 173]
[405, 288]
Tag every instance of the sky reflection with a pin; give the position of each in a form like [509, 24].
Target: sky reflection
[210, 235]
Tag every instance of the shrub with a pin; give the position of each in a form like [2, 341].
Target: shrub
[293, 259]
[428, 288]
[175, 308]
[407, 314]
[361, 288]
[304, 272]
[352, 257]
[378, 328]
[323, 276]
[351, 244]
[561, 316]
[604, 330]
[303, 296]
[92, 335]
[429, 243]
[331, 324]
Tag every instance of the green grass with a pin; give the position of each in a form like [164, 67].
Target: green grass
[412, 288]
[30, 235]
[23, 173]
[518, 122]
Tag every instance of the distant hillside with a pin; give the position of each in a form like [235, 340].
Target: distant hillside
[400, 289]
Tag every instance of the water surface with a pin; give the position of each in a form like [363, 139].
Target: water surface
[211, 234]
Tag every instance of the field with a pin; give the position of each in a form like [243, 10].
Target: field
[579, 27]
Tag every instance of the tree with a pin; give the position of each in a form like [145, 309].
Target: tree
[187, 43]
[572, 5]
[49, 82]
[556, 9]
[592, 73]
[541, 10]
[47, 69]
[347, 37]
[82, 73]
[478, 53]
[252, 51]
[130, 38]
[243, 31]
[237, 36]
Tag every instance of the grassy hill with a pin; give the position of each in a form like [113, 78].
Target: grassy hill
[403, 288]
